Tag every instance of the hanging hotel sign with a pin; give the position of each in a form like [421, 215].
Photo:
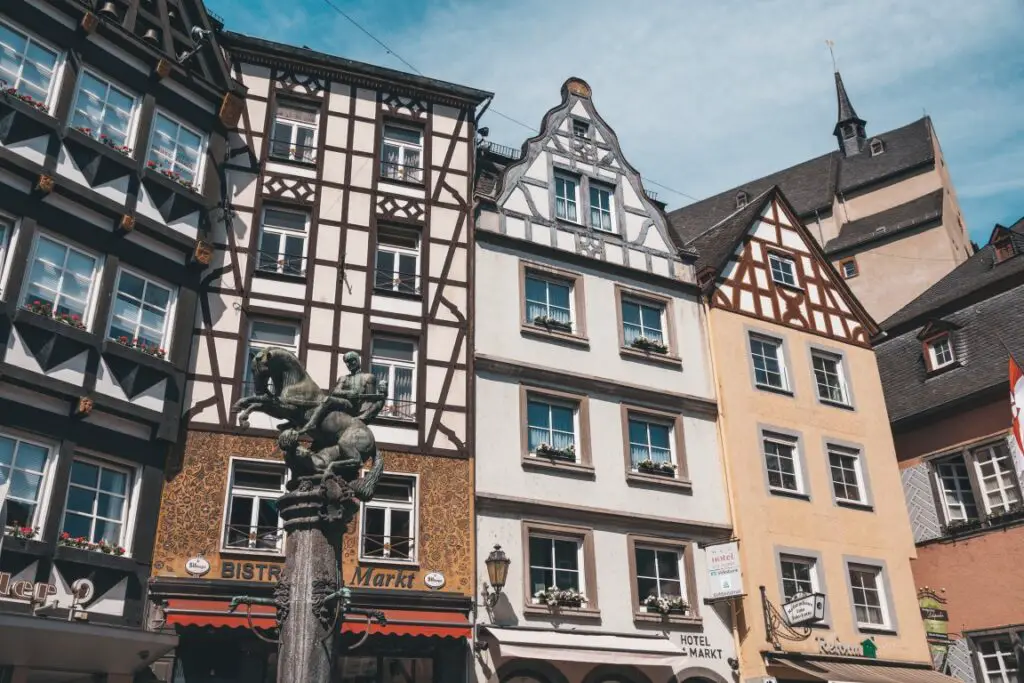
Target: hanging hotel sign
[806, 608]
[723, 569]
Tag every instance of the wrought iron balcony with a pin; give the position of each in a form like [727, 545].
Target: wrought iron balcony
[376, 546]
[245, 537]
[399, 409]
[286, 151]
[390, 281]
[406, 172]
[274, 262]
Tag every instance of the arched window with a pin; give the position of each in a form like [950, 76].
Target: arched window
[741, 199]
[877, 147]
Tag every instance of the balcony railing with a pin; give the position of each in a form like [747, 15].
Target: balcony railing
[245, 537]
[273, 262]
[390, 281]
[284, 149]
[406, 172]
[380, 547]
[399, 409]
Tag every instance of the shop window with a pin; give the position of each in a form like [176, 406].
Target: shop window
[253, 521]
[389, 521]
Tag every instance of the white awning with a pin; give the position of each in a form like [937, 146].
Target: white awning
[565, 646]
[876, 672]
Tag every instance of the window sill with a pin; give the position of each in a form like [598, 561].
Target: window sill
[384, 291]
[665, 359]
[302, 163]
[100, 164]
[28, 546]
[854, 505]
[877, 630]
[774, 390]
[29, 122]
[835, 404]
[404, 183]
[784, 285]
[658, 481]
[281, 277]
[545, 334]
[95, 558]
[389, 562]
[115, 348]
[587, 613]
[655, 618]
[785, 493]
[555, 466]
[252, 552]
[940, 371]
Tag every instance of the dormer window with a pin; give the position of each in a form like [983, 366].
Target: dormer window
[1005, 249]
[877, 147]
[939, 352]
[580, 129]
[741, 199]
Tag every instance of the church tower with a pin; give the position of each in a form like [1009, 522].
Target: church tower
[849, 130]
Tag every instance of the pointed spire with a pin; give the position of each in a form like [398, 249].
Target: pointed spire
[846, 111]
[849, 130]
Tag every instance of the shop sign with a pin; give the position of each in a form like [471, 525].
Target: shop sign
[865, 648]
[936, 620]
[367, 577]
[697, 645]
[82, 590]
[933, 614]
[434, 580]
[197, 566]
[249, 571]
[805, 609]
[723, 567]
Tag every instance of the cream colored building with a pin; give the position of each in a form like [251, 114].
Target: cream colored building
[815, 490]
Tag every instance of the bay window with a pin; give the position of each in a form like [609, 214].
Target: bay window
[98, 502]
[176, 149]
[103, 110]
[141, 312]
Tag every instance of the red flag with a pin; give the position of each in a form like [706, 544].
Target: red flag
[1017, 401]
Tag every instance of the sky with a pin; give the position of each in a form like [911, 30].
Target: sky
[708, 94]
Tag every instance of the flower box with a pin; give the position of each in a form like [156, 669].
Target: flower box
[46, 310]
[667, 469]
[550, 323]
[547, 450]
[555, 597]
[649, 345]
[24, 532]
[142, 347]
[172, 175]
[83, 543]
[12, 93]
[672, 604]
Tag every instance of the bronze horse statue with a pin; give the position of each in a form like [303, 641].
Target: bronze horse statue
[342, 444]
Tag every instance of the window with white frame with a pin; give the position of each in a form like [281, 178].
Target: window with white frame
[994, 470]
[580, 129]
[394, 361]
[567, 198]
[24, 465]
[601, 208]
[253, 521]
[402, 154]
[995, 655]
[98, 502]
[141, 312]
[642, 320]
[782, 462]
[283, 242]
[783, 269]
[548, 302]
[176, 149]
[398, 257]
[650, 444]
[954, 484]
[799, 576]
[294, 133]
[555, 561]
[61, 280]
[551, 426]
[845, 465]
[658, 574]
[849, 268]
[264, 335]
[104, 111]
[940, 352]
[869, 599]
[877, 147]
[389, 521]
[769, 363]
[27, 65]
[829, 378]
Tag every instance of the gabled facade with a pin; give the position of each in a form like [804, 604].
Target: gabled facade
[349, 189]
[944, 360]
[112, 135]
[601, 479]
[871, 204]
[813, 484]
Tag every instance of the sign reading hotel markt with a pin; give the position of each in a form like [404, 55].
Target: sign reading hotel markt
[723, 567]
[805, 609]
[698, 646]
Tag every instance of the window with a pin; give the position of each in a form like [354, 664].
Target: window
[253, 520]
[24, 465]
[566, 198]
[6, 232]
[955, 488]
[108, 112]
[799, 576]
[769, 365]
[829, 378]
[27, 65]
[783, 269]
[869, 604]
[176, 148]
[994, 470]
[141, 311]
[401, 154]
[555, 562]
[997, 659]
[642, 321]
[394, 362]
[294, 135]
[1004, 248]
[847, 476]
[548, 303]
[780, 455]
[849, 268]
[389, 521]
[283, 242]
[658, 573]
[397, 268]
[650, 441]
[263, 335]
[940, 352]
[877, 147]
[551, 427]
[741, 199]
[580, 129]
[61, 279]
[600, 208]
[97, 507]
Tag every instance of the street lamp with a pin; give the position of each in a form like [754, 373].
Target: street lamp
[497, 571]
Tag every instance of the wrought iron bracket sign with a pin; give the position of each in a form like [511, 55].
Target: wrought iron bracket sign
[777, 627]
[806, 608]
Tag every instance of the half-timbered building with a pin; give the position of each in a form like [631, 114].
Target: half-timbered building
[822, 530]
[113, 120]
[350, 231]
[601, 479]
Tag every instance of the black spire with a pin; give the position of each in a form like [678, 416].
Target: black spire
[849, 130]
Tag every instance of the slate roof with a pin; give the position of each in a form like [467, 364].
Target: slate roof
[715, 244]
[908, 216]
[985, 301]
[812, 185]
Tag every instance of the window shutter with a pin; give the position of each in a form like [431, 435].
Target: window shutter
[917, 489]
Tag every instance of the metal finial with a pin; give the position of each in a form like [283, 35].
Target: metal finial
[832, 53]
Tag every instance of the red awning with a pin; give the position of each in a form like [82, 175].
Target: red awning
[214, 613]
